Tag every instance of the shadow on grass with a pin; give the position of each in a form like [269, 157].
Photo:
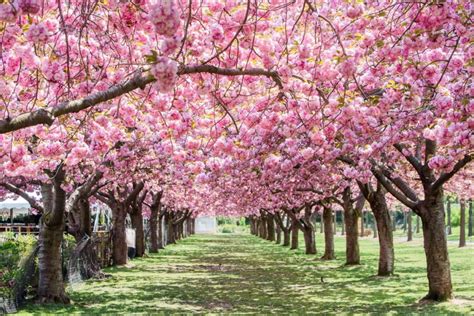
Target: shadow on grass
[243, 274]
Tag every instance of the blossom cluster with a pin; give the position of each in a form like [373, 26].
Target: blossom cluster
[165, 17]
[165, 72]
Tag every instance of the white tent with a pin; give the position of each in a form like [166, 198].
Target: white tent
[206, 225]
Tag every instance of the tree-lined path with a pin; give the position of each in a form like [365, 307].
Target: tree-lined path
[245, 274]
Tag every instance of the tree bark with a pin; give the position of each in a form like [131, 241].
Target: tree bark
[284, 223]
[308, 231]
[436, 249]
[171, 233]
[155, 222]
[262, 227]
[286, 237]
[294, 236]
[374, 227]
[417, 229]
[161, 242]
[137, 223]
[470, 220]
[309, 241]
[394, 221]
[154, 231]
[378, 204]
[448, 209]
[119, 243]
[321, 222]
[361, 219]
[343, 224]
[410, 226]
[404, 221]
[351, 216]
[328, 235]
[51, 285]
[253, 229]
[462, 223]
[270, 223]
[278, 234]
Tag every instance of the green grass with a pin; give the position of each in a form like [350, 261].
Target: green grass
[229, 273]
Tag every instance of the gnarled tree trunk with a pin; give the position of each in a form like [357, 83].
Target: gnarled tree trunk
[431, 211]
[51, 284]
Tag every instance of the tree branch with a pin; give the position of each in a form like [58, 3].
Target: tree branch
[16, 190]
[397, 194]
[444, 177]
[139, 80]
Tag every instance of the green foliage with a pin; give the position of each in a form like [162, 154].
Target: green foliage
[12, 250]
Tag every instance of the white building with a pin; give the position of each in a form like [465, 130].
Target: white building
[206, 225]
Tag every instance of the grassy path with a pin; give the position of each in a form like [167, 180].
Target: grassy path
[243, 274]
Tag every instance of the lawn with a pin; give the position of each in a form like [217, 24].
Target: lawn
[239, 273]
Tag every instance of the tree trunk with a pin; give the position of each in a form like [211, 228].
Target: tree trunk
[85, 218]
[394, 221]
[361, 219]
[351, 216]
[270, 223]
[448, 209]
[294, 236]
[286, 237]
[462, 223]
[321, 226]
[374, 227]
[436, 247]
[417, 229]
[137, 223]
[278, 234]
[161, 242]
[171, 233]
[334, 222]
[328, 235]
[379, 207]
[50, 284]
[470, 220]
[404, 221]
[119, 243]
[410, 226]
[309, 240]
[262, 228]
[154, 230]
[343, 224]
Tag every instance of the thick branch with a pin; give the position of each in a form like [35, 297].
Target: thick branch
[411, 159]
[14, 189]
[140, 80]
[82, 190]
[444, 177]
[397, 194]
